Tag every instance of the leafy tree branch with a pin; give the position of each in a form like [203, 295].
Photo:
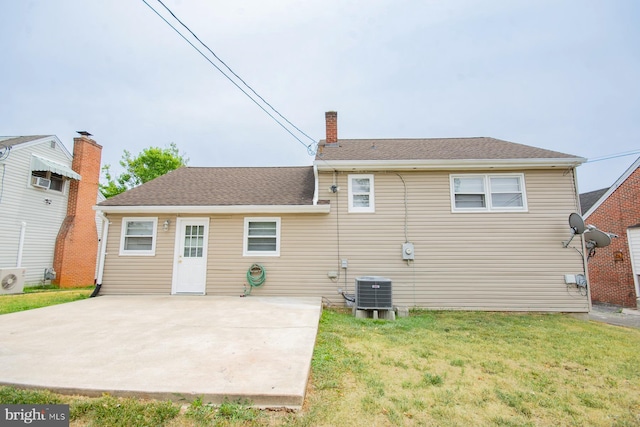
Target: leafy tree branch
[151, 163]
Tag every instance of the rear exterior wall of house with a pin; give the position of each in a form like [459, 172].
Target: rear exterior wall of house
[479, 261]
[610, 271]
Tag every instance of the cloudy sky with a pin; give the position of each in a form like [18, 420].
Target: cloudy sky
[562, 75]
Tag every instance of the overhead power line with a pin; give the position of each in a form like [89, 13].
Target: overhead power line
[613, 156]
[233, 72]
[310, 147]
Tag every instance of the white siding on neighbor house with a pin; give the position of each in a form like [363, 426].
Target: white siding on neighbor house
[479, 261]
[22, 203]
[633, 237]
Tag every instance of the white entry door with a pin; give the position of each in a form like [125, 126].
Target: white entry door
[190, 263]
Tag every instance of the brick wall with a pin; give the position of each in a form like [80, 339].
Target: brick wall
[610, 273]
[77, 242]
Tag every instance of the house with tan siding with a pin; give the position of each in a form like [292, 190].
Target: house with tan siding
[483, 219]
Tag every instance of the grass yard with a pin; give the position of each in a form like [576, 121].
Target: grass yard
[36, 297]
[472, 368]
[431, 369]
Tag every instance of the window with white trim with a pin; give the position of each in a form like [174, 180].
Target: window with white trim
[138, 236]
[261, 237]
[361, 193]
[488, 193]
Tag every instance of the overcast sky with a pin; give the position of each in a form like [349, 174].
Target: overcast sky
[561, 75]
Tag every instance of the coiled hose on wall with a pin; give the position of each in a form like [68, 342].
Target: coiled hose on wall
[256, 276]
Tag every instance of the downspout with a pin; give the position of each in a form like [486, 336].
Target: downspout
[23, 229]
[584, 254]
[103, 254]
[315, 190]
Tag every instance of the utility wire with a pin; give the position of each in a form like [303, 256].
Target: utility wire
[233, 72]
[613, 156]
[310, 147]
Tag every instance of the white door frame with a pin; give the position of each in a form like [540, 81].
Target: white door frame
[177, 252]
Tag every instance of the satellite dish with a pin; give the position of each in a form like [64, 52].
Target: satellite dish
[576, 223]
[597, 238]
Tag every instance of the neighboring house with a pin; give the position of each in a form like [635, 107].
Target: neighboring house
[46, 199]
[589, 199]
[485, 218]
[614, 272]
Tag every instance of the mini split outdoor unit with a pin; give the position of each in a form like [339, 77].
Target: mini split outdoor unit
[373, 293]
[12, 280]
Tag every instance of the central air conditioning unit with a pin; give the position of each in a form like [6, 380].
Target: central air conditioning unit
[40, 182]
[373, 293]
[12, 280]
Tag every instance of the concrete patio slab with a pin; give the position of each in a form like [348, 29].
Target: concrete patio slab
[165, 347]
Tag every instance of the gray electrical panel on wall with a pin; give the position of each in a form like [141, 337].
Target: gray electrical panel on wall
[407, 251]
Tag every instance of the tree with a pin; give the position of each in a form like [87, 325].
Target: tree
[151, 163]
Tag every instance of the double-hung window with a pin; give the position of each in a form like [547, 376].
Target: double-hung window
[261, 237]
[490, 193]
[138, 236]
[361, 194]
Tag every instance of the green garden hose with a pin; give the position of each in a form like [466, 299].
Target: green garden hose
[256, 276]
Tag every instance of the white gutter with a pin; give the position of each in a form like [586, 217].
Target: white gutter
[248, 209]
[103, 247]
[23, 229]
[457, 164]
[315, 186]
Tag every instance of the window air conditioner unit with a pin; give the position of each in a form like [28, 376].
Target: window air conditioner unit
[40, 182]
[12, 280]
[373, 293]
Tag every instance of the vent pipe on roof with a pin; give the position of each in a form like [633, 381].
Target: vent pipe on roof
[331, 120]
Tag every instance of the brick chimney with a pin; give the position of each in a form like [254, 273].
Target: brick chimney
[331, 120]
[77, 243]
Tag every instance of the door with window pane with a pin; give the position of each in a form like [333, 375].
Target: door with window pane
[190, 264]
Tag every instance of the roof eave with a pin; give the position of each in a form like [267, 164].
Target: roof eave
[234, 209]
[458, 164]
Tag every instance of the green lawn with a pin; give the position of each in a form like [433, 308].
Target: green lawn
[431, 369]
[37, 297]
[472, 368]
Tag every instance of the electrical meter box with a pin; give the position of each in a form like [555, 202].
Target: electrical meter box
[407, 251]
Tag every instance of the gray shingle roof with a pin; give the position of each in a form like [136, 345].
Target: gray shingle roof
[432, 149]
[589, 199]
[203, 186]
[12, 141]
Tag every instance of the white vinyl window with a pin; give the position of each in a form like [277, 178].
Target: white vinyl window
[361, 194]
[488, 193]
[261, 237]
[138, 236]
